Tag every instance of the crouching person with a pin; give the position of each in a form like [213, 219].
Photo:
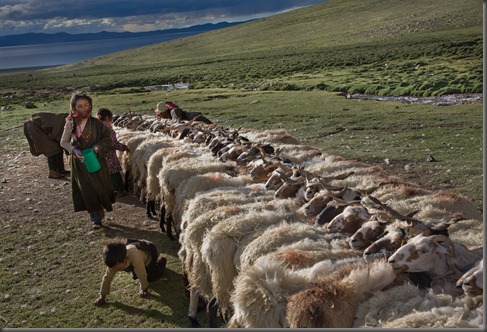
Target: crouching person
[139, 257]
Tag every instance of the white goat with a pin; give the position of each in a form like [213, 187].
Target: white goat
[331, 301]
[223, 245]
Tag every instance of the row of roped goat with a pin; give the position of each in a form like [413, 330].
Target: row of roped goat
[264, 222]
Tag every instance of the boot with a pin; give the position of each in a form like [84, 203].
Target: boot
[96, 218]
[158, 270]
[53, 174]
[64, 171]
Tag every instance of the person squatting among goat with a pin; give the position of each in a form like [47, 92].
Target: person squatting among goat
[92, 192]
[43, 132]
[139, 257]
[169, 110]
[114, 167]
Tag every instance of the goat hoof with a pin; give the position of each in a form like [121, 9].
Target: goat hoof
[194, 322]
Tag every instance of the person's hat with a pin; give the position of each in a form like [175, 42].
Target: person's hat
[161, 107]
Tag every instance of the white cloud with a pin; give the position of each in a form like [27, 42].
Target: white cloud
[79, 16]
[61, 23]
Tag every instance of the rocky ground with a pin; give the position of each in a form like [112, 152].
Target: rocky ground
[26, 193]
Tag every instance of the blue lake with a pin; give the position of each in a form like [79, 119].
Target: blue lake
[42, 55]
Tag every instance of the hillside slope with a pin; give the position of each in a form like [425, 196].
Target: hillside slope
[393, 47]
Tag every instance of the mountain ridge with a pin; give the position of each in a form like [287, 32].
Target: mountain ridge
[60, 37]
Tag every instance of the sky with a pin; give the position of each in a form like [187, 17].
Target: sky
[86, 16]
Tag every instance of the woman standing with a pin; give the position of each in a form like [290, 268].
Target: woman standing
[92, 190]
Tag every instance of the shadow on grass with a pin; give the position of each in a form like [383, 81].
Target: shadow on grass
[149, 313]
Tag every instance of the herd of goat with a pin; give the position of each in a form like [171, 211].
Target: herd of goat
[275, 233]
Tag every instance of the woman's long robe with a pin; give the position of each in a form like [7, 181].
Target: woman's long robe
[91, 192]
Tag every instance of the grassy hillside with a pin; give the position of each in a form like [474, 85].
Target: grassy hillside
[392, 47]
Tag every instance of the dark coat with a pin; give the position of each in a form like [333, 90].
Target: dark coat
[43, 132]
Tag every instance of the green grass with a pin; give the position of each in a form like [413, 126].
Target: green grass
[51, 275]
[339, 45]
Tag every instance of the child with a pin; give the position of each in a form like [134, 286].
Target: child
[140, 257]
[114, 168]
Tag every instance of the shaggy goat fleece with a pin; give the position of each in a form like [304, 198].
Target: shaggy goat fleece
[332, 301]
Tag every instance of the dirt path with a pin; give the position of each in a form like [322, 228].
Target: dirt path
[26, 193]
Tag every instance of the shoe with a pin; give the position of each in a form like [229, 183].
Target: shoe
[157, 271]
[64, 172]
[53, 174]
[96, 225]
[161, 266]
[96, 218]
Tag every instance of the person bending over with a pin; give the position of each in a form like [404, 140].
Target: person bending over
[43, 132]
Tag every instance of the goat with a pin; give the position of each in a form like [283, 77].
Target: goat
[349, 220]
[332, 300]
[437, 255]
[472, 281]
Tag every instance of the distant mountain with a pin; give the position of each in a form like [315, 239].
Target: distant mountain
[62, 37]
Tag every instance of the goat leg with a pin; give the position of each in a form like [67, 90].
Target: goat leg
[149, 207]
[153, 206]
[169, 223]
[127, 178]
[162, 214]
[211, 312]
[193, 306]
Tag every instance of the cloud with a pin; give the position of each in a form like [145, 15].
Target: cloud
[77, 16]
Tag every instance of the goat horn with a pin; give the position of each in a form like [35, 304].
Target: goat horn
[393, 213]
[342, 202]
[328, 186]
[342, 191]
[365, 192]
[444, 239]
[343, 176]
[262, 152]
[287, 179]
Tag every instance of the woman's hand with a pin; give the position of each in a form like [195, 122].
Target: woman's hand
[96, 148]
[77, 153]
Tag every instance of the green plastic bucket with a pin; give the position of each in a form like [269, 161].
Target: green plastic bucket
[90, 161]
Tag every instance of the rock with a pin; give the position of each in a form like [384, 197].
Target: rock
[430, 158]
[28, 104]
